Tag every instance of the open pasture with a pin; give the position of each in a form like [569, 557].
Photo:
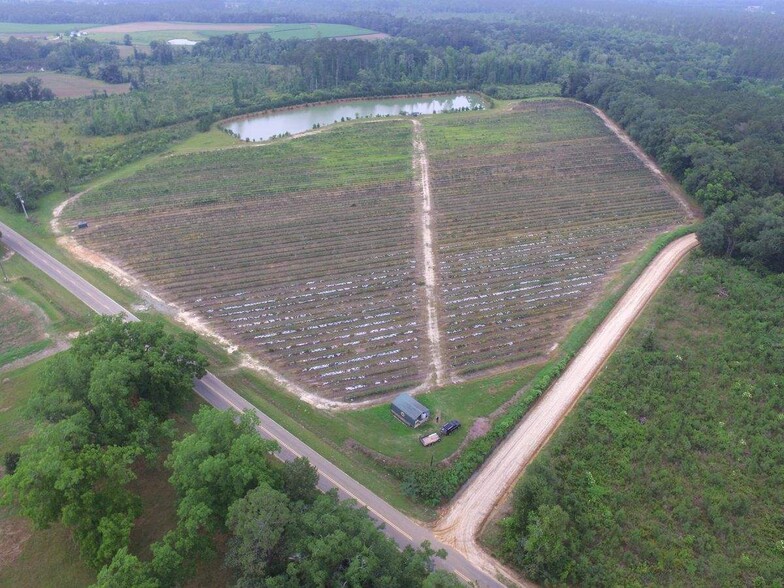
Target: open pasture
[38, 31]
[302, 251]
[535, 209]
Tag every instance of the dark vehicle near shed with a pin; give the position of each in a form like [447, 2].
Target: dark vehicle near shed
[450, 427]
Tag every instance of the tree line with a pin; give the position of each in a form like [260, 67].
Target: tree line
[28, 90]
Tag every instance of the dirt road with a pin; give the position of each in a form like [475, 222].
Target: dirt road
[473, 505]
[422, 167]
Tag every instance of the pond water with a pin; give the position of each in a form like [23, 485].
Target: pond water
[184, 42]
[265, 126]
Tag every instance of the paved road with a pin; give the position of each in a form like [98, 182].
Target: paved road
[476, 500]
[396, 525]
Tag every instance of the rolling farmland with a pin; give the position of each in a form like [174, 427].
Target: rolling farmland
[301, 251]
[308, 253]
[534, 210]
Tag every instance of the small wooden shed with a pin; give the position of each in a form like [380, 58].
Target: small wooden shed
[408, 410]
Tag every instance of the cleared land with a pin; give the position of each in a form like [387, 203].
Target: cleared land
[302, 251]
[38, 31]
[535, 209]
[309, 253]
[468, 512]
[67, 86]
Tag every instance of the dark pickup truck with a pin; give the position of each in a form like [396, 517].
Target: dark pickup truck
[450, 427]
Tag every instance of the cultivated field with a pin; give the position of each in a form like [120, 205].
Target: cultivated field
[534, 210]
[301, 251]
[308, 253]
[67, 86]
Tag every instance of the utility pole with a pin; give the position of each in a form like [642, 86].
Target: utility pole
[21, 201]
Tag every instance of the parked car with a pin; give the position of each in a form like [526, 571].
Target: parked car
[450, 427]
[430, 439]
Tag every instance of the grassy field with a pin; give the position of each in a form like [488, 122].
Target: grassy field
[144, 33]
[669, 470]
[22, 29]
[68, 86]
[34, 311]
[22, 328]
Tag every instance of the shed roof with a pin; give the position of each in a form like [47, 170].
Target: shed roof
[409, 405]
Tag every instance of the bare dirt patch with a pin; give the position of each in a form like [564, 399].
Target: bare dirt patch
[14, 533]
[422, 168]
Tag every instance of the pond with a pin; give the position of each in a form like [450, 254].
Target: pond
[298, 120]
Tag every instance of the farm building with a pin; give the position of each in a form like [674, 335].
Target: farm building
[410, 411]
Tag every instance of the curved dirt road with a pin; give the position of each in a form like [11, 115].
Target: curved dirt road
[468, 512]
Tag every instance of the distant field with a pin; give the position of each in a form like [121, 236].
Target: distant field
[39, 30]
[307, 252]
[67, 86]
[145, 32]
[535, 209]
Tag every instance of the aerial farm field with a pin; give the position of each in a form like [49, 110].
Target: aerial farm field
[534, 210]
[308, 253]
[302, 251]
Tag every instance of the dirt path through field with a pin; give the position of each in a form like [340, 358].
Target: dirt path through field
[422, 167]
[469, 511]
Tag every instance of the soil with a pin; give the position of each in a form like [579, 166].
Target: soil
[14, 533]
